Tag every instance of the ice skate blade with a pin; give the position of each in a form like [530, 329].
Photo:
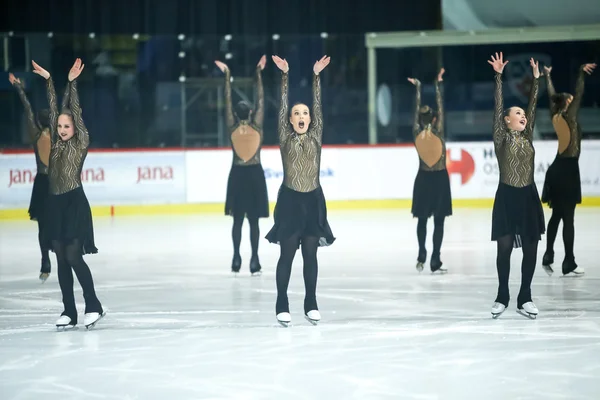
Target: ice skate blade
[64, 328]
[419, 267]
[495, 316]
[283, 323]
[312, 321]
[548, 269]
[93, 324]
[44, 276]
[440, 271]
[256, 273]
[526, 314]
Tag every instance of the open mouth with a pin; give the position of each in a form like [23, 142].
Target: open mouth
[523, 122]
[301, 124]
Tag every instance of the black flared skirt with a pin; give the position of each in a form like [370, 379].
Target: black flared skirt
[431, 194]
[247, 192]
[39, 197]
[562, 186]
[300, 214]
[69, 218]
[518, 212]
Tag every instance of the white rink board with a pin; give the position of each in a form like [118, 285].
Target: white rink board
[347, 173]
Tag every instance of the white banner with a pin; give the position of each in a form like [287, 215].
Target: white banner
[347, 173]
[108, 177]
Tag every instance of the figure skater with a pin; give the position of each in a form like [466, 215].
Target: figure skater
[246, 187]
[431, 192]
[517, 217]
[562, 186]
[300, 213]
[70, 228]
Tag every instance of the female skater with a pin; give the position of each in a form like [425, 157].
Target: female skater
[517, 218]
[70, 229]
[246, 187]
[431, 192]
[39, 134]
[562, 187]
[300, 213]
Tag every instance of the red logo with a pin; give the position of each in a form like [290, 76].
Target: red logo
[465, 166]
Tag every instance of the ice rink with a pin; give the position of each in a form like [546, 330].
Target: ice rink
[180, 326]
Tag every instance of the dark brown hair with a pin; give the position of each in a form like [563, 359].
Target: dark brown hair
[242, 110]
[426, 115]
[558, 102]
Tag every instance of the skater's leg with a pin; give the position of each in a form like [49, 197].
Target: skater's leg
[438, 236]
[65, 281]
[84, 276]
[43, 248]
[236, 234]
[527, 270]
[288, 249]
[568, 218]
[552, 230]
[310, 244]
[254, 235]
[505, 246]
[421, 236]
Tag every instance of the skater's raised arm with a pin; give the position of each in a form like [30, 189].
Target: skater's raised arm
[52, 102]
[229, 119]
[33, 129]
[439, 98]
[549, 88]
[499, 127]
[573, 109]
[317, 111]
[82, 137]
[284, 126]
[259, 115]
[416, 127]
[533, 98]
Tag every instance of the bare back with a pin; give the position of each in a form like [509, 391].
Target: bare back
[429, 147]
[43, 145]
[563, 132]
[246, 141]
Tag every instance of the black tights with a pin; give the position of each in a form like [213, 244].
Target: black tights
[309, 245]
[236, 235]
[567, 215]
[505, 247]
[69, 257]
[44, 249]
[438, 236]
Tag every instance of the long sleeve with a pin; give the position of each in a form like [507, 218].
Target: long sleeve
[53, 114]
[417, 107]
[229, 119]
[551, 92]
[531, 107]
[33, 129]
[499, 130]
[439, 98]
[573, 109]
[83, 136]
[283, 120]
[317, 111]
[66, 97]
[259, 115]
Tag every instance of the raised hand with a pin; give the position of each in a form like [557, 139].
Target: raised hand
[39, 70]
[535, 66]
[589, 68]
[414, 81]
[262, 62]
[498, 63]
[440, 75]
[547, 70]
[76, 70]
[222, 66]
[12, 79]
[282, 64]
[321, 64]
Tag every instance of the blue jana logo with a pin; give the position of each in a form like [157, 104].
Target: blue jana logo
[271, 173]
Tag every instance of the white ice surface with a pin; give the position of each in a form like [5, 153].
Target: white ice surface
[179, 326]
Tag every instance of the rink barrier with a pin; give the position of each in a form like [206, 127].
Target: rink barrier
[188, 181]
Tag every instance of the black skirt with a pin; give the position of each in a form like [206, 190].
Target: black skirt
[247, 192]
[431, 194]
[518, 212]
[562, 186]
[69, 218]
[300, 214]
[39, 197]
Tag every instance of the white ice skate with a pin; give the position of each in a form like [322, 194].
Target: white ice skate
[440, 271]
[579, 271]
[44, 276]
[91, 319]
[419, 267]
[528, 310]
[284, 319]
[64, 323]
[313, 316]
[497, 309]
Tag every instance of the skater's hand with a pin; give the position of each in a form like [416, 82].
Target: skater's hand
[282, 64]
[440, 75]
[535, 66]
[76, 70]
[222, 66]
[12, 79]
[498, 63]
[589, 68]
[321, 64]
[39, 70]
[414, 81]
[262, 62]
[547, 70]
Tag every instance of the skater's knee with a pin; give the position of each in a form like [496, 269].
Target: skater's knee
[238, 221]
[439, 221]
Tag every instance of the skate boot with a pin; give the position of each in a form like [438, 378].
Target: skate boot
[236, 264]
[497, 309]
[255, 268]
[437, 266]
[528, 310]
[45, 270]
[91, 319]
[65, 323]
[547, 262]
[421, 259]
[313, 316]
[284, 319]
[570, 268]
